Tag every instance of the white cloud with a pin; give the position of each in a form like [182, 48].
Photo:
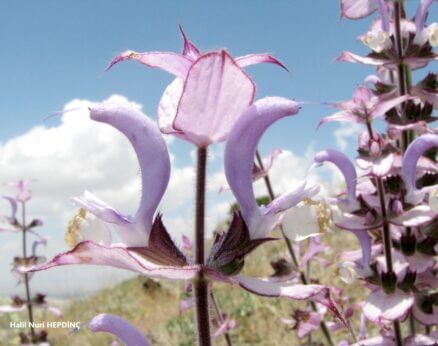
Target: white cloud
[347, 133]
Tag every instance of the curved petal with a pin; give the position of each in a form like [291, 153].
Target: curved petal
[216, 92]
[421, 14]
[422, 340]
[428, 319]
[189, 49]
[173, 63]
[357, 9]
[347, 169]
[376, 341]
[365, 244]
[152, 154]
[253, 59]
[380, 306]
[117, 256]
[241, 147]
[115, 325]
[13, 202]
[410, 159]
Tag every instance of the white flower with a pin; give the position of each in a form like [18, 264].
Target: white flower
[86, 226]
[430, 33]
[377, 40]
[307, 219]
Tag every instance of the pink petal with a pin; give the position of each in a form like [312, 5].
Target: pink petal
[380, 306]
[381, 108]
[353, 222]
[422, 340]
[346, 56]
[253, 59]
[357, 9]
[173, 63]
[120, 257]
[342, 116]
[216, 92]
[189, 49]
[415, 217]
[168, 107]
[376, 341]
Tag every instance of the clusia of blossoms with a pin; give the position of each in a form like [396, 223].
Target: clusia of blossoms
[391, 205]
[17, 222]
[211, 100]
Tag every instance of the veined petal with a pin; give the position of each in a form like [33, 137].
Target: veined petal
[410, 159]
[382, 107]
[168, 107]
[152, 155]
[380, 306]
[362, 96]
[253, 59]
[216, 92]
[117, 256]
[347, 169]
[365, 244]
[241, 147]
[189, 49]
[173, 63]
[115, 325]
[357, 9]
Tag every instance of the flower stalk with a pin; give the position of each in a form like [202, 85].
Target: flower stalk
[201, 283]
[291, 251]
[26, 276]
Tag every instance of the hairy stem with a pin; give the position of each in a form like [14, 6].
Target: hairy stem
[219, 317]
[291, 251]
[387, 244]
[201, 283]
[26, 277]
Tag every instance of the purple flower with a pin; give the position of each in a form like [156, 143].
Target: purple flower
[123, 330]
[210, 91]
[343, 163]
[239, 162]
[363, 107]
[146, 247]
[410, 159]
[357, 9]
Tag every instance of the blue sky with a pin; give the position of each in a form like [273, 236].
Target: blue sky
[54, 52]
[57, 51]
